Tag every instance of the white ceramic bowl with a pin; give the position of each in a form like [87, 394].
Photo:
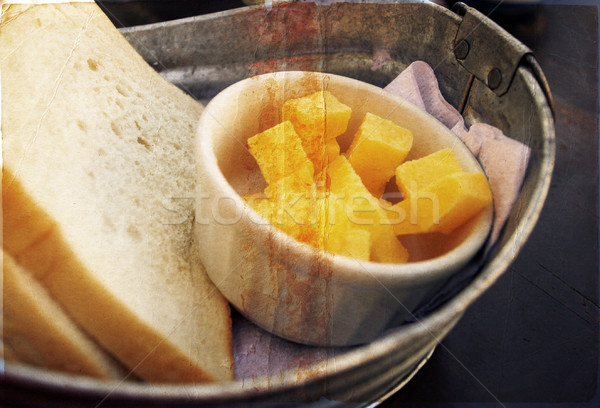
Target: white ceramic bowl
[287, 287]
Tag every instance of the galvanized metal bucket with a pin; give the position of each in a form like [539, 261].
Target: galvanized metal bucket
[485, 73]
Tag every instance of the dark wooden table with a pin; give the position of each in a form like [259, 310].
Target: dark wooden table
[533, 337]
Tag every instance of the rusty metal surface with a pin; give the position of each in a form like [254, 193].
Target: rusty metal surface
[371, 42]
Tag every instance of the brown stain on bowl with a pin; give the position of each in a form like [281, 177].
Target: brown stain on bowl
[308, 291]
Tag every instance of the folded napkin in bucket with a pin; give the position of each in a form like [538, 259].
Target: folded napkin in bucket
[503, 159]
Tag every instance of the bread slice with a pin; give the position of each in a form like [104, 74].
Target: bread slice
[37, 331]
[97, 189]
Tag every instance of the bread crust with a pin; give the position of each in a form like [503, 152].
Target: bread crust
[96, 147]
[37, 331]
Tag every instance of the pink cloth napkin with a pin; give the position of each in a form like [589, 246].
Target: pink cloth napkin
[258, 353]
[503, 159]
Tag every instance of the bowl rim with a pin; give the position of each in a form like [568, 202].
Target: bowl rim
[387, 274]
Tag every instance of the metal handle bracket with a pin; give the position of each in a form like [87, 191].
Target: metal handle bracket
[486, 50]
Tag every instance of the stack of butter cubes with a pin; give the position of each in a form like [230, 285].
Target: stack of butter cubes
[336, 202]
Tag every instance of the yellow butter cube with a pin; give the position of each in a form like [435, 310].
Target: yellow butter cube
[332, 151]
[444, 205]
[299, 181]
[292, 213]
[278, 152]
[293, 199]
[336, 233]
[360, 207]
[321, 156]
[379, 146]
[318, 119]
[418, 174]
[345, 185]
[288, 205]
[387, 249]
[343, 239]
[319, 115]
[363, 211]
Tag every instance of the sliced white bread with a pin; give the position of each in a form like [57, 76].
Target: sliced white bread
[97, 188]
[37, 331]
